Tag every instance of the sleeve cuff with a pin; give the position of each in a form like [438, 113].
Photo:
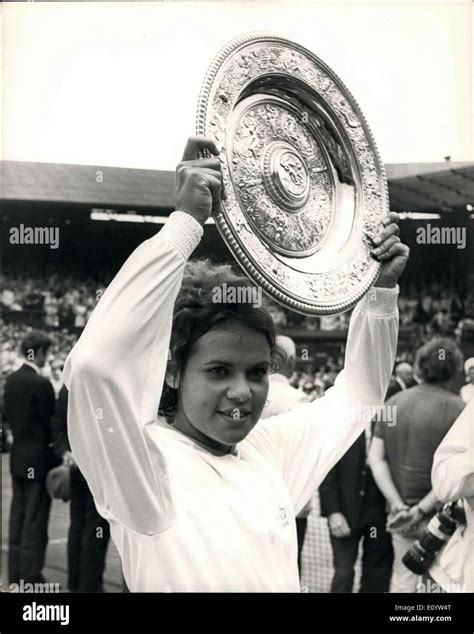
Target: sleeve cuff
[380, 301]
[183, 231]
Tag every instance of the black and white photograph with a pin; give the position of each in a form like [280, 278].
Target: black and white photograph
[237, 316]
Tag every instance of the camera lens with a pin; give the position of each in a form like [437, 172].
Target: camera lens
[431, 542]
[418, 559]
[446, 523]
[423, 552]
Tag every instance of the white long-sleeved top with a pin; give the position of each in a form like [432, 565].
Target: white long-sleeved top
[182, 518]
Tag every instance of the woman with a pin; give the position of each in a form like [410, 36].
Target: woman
[208, 503]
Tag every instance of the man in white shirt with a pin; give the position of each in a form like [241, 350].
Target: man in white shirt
[283, 397]
[209, 502]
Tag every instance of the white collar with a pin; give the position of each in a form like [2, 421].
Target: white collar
[32, 365]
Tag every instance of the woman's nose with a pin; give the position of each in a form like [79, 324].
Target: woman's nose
[239, 390]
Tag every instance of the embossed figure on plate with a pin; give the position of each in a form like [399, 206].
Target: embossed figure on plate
[292, 173]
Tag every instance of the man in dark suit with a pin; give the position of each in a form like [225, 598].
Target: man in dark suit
[29, 407]
[89, 533]
[355, 509]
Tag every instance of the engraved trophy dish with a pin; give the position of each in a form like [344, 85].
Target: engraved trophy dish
[303, 178]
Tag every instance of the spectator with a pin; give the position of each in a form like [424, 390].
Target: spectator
[278, 315]
[441, 322]
[425, 310]
[80, 310]
[33, 301]
[51, 310]
[402, 450]
[402, 379]
[29, 406]
[329, 322]
[283, 398]
[57, 375]
[89, 533]
[9, 300]
[66, 310]
[312, 323]
[355, 509]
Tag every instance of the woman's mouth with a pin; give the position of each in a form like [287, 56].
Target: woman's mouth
[235, 414]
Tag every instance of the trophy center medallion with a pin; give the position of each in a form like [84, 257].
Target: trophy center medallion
[291, 174]
[285, 175]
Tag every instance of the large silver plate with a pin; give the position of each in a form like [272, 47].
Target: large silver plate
[303, 178]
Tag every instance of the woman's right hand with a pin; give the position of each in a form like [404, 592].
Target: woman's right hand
[199, 184]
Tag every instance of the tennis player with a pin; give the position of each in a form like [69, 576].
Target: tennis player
[204, 496]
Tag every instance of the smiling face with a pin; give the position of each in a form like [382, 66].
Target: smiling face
[224, 386]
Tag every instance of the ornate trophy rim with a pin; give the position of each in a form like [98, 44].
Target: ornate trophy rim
[310, 307]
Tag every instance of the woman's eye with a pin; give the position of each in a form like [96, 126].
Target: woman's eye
[259, 373]
[218, 370]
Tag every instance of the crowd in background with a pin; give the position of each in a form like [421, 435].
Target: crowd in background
[314, 384]
[62, 303]
[65, 301]
[436, 306]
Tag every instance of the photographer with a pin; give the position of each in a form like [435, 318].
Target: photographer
[453, 478]
[402, 450]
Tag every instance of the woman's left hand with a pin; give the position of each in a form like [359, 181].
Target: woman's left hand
[390, 251]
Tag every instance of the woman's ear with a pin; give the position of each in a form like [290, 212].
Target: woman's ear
[172, 380]
[173, 375]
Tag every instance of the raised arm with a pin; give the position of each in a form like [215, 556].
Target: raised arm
[115, 373]
[311, 439]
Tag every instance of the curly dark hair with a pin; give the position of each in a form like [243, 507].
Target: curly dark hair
[438, 361]
[198, 310]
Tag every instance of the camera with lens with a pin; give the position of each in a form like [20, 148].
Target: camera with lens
[434, 536]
